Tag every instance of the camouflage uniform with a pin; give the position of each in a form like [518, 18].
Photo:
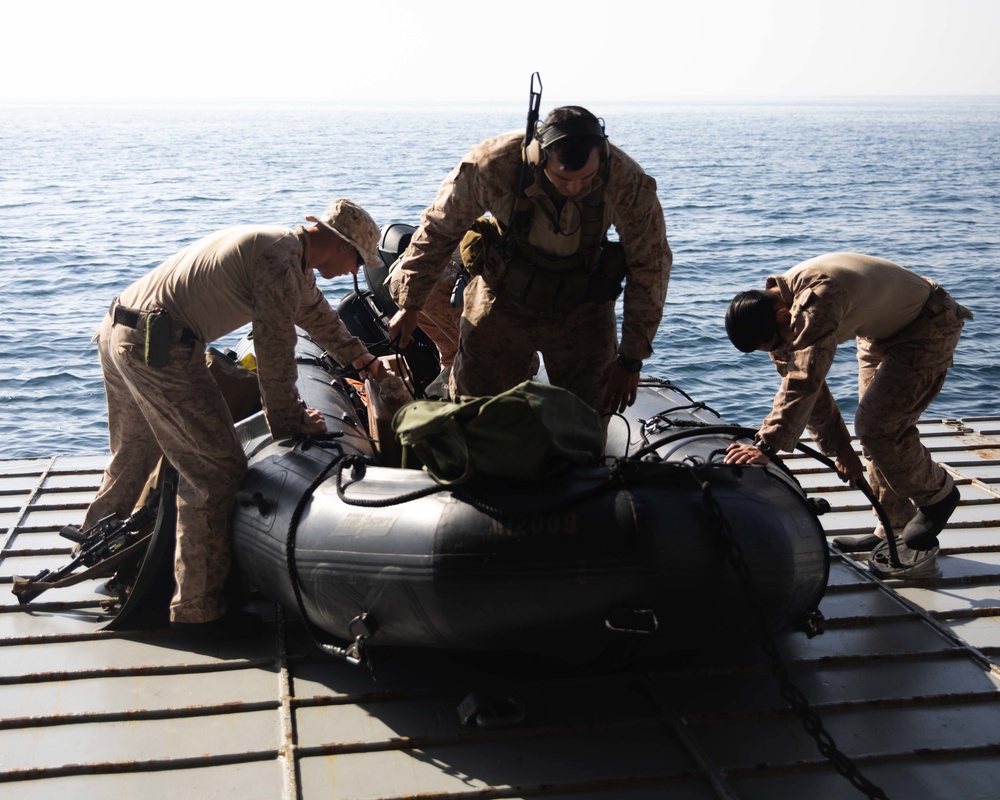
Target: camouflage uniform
[907, 328]
[439, 318]
[498, 335]
[215, 286]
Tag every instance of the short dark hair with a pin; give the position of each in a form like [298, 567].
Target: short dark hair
[750, 320]
[571, 148]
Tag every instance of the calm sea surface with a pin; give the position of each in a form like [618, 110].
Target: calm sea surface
[91, 198]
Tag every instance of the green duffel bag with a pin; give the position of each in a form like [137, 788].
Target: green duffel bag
[528, 433]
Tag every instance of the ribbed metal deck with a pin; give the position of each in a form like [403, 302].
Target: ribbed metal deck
[905, 680]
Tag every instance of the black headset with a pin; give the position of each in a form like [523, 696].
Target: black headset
[546, 135]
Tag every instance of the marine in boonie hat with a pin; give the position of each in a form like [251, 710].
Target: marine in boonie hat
[353, 224]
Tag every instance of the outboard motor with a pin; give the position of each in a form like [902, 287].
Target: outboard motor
[366, 312]
[394, 240]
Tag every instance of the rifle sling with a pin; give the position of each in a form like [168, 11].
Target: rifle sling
[98, 570]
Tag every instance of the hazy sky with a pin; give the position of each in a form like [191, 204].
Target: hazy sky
[433, 50]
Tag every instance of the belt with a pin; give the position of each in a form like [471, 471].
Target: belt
[131, 318]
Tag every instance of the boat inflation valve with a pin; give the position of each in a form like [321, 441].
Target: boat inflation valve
[632, 620]
[491, 712]
[254, 499]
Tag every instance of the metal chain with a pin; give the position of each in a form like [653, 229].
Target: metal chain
[796, 700]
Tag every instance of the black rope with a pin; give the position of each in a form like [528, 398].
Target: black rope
[705, 430]
[616, 478]
[663, 383]
[360, 463]
[749, 433]
[662, 416]
[866, 490]
[290, 562]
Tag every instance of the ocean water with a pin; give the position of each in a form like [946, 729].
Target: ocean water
[93, 197]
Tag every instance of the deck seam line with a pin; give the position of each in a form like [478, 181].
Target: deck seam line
[13, 530]
[287, 751]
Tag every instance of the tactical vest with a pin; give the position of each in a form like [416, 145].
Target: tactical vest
[514, 269]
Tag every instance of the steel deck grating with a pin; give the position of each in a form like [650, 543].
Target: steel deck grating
[905, 680]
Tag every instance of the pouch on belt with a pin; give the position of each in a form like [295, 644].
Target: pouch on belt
[159, 338]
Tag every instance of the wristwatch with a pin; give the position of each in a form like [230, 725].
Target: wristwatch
[764, 447]
[630, 365]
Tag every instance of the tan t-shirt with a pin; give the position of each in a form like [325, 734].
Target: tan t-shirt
[833, 298]
[255, 275]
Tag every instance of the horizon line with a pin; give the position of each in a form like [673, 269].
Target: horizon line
[463, 102]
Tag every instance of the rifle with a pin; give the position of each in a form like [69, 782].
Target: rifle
[100, 549]
[534, 105]
[521, 204]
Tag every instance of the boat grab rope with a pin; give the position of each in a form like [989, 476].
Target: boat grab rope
[616, 478]
[356, 650]
[359, 464]
[792, 695]
[663, 383]
[660, 421]
[738, 431]
[651, 448]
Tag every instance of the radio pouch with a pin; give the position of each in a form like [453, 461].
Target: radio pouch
[159, 338]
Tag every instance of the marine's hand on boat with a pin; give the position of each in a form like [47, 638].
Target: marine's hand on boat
[738, 453]
[849, 466]
[621, 387]
[402, 325]
[315, 423]
[368, 364]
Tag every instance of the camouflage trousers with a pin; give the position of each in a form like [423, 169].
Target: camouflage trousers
[499, 339]
[439, 318]
[178, 412]
[898, 378]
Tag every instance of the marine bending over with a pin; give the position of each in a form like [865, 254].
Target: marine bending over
[907, 328]
[163, 401]
[532, 223]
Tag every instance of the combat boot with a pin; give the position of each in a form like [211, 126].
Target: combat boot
[922, 531]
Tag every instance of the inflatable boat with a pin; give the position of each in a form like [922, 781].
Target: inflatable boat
[658, 548]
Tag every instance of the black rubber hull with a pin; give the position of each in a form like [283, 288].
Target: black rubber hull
[634, 558]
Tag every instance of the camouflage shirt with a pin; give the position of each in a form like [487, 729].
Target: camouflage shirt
[833, 298]
[257, 275]
[486, 181]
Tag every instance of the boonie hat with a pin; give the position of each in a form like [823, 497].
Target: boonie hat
[353, 224]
